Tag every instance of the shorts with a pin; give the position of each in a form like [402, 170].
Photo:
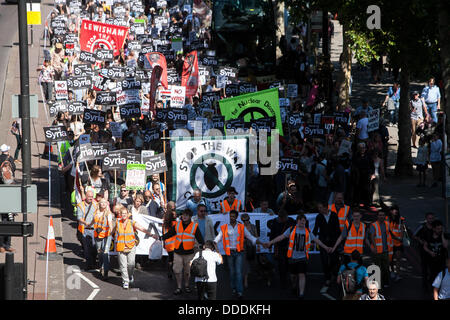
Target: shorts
[421, 167]
[297, 266]
[182, 262]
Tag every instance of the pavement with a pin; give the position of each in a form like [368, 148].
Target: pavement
[66, 283]
[9, 62]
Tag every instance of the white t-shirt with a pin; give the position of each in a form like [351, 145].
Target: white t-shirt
[362, 126]
[213, 259]
[444, 293]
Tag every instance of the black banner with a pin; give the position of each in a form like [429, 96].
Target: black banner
[130, 111]
[55, 106]
[209, 97]
[172, 115]
[104, 55]
[113, 73]
[313, 130]
[94, 116]
[155, 164]
[263, 124]
[234, 124]
[295, 120]
[134, 46]
[286, 164]
[55, 134]
[86, 56]
[208, 61]
[172, 76]
[76, 107]
[130, 84]
[106, 98]
[152, 135]
[74, 83]
[83, 70]
[115, 160]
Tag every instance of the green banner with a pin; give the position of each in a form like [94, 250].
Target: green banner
[256, 105]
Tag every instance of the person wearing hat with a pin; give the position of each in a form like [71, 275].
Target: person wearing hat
[185, 232]
[230, 202]
[419, 112]
[58, 61]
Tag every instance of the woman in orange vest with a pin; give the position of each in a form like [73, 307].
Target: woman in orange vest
[125, 242]
[396, 225]
[169, 221]
[103, 224]
[298, 252]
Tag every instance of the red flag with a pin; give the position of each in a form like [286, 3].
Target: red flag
[154, 80]
[95, 35]
[189, 77]
[158, 59]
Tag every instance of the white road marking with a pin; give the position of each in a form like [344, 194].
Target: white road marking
[93, 285]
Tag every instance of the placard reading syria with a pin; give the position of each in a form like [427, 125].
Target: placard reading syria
[97, 35]
[212, 166]
[252, 106]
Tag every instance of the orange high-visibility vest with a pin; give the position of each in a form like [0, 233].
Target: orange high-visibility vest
[169, 244]
[379, 239]
[292, 240]
[101, 222]
[225, 207]
[185, 236]
[397, 231]
[355, 239]
[342, 214]
[226, 238]
[83, 207]
[124, 235]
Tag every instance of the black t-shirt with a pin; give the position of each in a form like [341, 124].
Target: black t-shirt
[277, 228]
[328, 232]
[435, 245]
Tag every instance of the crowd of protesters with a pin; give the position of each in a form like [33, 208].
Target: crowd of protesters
[341, 171]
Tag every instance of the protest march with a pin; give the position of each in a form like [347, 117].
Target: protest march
[170, 149]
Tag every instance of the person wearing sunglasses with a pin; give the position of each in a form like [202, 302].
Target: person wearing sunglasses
[205, 223]
[124, 197]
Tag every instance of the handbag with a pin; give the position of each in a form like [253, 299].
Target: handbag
[406, 240]
[390, 104]
[155, 250]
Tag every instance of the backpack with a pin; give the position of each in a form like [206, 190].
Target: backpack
[6, 171]
[348, 278]
[199, 267]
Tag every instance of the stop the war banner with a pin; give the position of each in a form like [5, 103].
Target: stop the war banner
[261, 104]
[95, 35]
[211, 166]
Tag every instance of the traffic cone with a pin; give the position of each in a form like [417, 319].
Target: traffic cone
[50, 244]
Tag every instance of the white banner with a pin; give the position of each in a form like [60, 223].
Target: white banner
[374, 120]
[61, 92]
[260, 221]
[212, 166]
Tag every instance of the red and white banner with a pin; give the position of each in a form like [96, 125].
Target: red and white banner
[158, 59]
[154, 80]
[97, 35]
[61, 92]
[189, 77]
[177, 96]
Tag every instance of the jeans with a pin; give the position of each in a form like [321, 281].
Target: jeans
[382, 260]
[47, 87]
[103, 246]
[90, 253]
[432, 110]
[19, 145]
[329, 263]
[206, 290]
[394, 113]
[235, 260]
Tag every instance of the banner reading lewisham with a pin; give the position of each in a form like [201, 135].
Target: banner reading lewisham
[97, 35]
[212, 166]
[260, 220]
[252, 106]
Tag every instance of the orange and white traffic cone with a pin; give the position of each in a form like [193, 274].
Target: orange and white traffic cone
[50, 244]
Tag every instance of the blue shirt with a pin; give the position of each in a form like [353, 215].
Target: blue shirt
[192, 205]
[394, 96]
[361, 272]
[431, 94]
[201, 226]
